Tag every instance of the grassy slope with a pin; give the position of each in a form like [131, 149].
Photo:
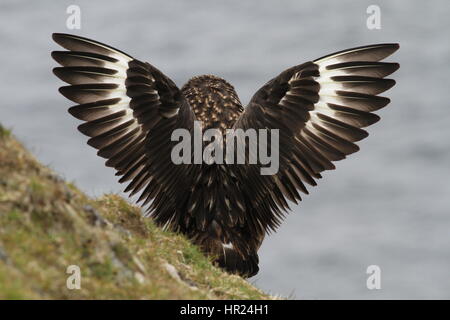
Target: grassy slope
[47, 224]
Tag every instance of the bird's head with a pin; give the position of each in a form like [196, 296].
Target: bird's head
[213, 100]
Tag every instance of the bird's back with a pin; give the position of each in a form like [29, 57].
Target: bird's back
[216, 207]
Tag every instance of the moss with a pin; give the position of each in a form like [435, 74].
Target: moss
[47, 224]
[13, 216]
[4, 133]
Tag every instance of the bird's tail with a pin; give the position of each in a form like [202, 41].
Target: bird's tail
[233, 262]
[234, 257]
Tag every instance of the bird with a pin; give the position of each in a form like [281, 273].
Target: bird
[130, 109]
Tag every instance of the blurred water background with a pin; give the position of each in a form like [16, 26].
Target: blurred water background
[387, 205]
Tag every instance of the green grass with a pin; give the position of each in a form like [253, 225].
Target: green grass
[4, 133]
[47, 224]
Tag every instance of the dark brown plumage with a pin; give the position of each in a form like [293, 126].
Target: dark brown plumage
[130, 110]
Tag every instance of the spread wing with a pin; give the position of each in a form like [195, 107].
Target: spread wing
[130, 110]
[320, 108]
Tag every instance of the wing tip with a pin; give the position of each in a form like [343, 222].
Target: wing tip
[56, 35]
[55, 54]
[68, 41]
[393, 46]
[387, 48]
[84, 129]
[59, 37]
[374, 119]
[64, 90]
[389, 84]
[395, 66]
[58, 71]
[74, 112]
[68, 92]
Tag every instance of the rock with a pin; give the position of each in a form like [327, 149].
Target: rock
[3, 256]
[139, 277]
[173, 272]
[95, 217]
